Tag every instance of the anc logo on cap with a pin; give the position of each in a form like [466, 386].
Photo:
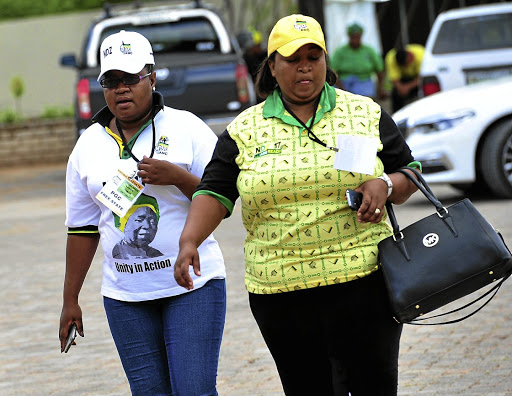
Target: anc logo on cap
[125, 48]
[301, 26]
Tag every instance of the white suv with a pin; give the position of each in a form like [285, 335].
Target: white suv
[467, 45]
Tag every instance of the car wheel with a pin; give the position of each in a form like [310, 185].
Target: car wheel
[496, 160]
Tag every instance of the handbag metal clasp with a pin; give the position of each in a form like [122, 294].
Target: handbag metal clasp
[444, 214]
[401, 236]
[446, 217]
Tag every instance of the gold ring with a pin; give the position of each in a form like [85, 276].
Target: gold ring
[377, 211]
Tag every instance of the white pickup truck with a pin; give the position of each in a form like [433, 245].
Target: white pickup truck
[467, 45]
[199, 64]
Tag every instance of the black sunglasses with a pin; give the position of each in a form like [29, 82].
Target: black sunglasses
[127, 79]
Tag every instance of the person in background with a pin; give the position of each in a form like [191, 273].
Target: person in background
[403, 67]
[312, 273]
[135, 170]
[358, 65]
[254, 54]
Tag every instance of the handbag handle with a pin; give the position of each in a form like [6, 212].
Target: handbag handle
[493, 290]
[422, 186]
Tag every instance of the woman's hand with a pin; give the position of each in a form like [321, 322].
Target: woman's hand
[187, 257]
[204, 215]
[153, 171]
[80, 251]
[71, 313]
[375, 194]
[165, 173]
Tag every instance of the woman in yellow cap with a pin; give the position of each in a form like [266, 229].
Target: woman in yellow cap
[315, 288]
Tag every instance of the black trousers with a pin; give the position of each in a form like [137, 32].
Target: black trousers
[332, 340]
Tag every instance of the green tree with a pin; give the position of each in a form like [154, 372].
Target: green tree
[17, 87]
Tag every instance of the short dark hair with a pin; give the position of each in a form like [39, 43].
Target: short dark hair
[401, 56]
[150, 68]
[266, 83]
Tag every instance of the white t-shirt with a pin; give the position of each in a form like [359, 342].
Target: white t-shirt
[144, 272]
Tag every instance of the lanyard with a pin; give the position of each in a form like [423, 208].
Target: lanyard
[118, 125]
[311, 135]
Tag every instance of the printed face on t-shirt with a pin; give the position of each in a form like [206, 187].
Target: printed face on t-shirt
[141, 227]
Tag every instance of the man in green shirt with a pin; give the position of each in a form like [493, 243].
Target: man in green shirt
[356, 63]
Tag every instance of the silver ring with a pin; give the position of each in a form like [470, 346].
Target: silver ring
[377, 211]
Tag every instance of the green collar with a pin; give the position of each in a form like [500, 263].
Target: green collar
[104, 116]
[273, 106]
[134, 138]
[124, 153]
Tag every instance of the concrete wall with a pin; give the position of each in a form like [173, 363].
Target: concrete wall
[36, 142]
[31, 49]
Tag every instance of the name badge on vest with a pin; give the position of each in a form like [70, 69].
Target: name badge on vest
[356, 154]
[120, 193]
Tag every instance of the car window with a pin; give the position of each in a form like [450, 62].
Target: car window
[186, 35]
[474, 34]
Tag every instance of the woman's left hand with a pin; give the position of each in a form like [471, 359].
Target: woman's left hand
[153, 171]
[165, 173]
[187, 257]
[375, 194]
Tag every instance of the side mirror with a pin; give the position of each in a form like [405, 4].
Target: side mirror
[68, 60]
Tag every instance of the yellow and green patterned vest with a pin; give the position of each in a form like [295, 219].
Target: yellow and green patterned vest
[300, 231]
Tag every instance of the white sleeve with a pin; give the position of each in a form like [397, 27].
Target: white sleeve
[203, 146]
[81, 210]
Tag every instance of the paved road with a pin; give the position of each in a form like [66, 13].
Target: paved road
[470, 358]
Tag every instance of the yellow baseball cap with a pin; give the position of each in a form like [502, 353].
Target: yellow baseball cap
[292, 32]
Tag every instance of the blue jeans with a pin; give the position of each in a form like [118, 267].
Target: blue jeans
[170, 346]
[359, 87]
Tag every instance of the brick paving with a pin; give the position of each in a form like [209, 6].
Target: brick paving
[470, 358]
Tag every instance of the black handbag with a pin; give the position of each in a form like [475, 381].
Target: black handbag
[441, 258]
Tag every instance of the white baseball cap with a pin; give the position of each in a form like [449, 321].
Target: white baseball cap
[125, 51]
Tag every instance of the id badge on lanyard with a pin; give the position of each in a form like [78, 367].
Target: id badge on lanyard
[120, 192]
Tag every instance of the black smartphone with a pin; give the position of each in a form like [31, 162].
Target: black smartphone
[71, 337]
[354, 199]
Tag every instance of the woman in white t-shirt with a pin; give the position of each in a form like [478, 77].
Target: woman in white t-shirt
[129, 182]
